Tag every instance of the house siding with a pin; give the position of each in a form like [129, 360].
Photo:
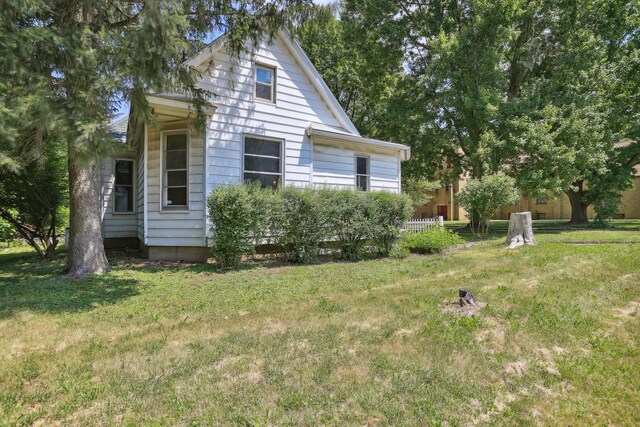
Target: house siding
[140, 194]
[176, 228]
[335, 167]
[297, 105]
[115, 225]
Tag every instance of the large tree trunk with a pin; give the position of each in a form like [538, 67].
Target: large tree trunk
[520, 230]
[578, 207]
[86, 248]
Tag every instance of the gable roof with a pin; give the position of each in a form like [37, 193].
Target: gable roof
[302, 60]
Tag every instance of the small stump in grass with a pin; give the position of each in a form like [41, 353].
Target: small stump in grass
[520, 230]
[466, 305]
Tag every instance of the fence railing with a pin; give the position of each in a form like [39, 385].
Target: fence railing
[422, 224]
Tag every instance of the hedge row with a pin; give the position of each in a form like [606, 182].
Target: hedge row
[299, 220]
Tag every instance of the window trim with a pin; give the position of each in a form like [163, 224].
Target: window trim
[541, 201]
[355, 170]
[163, 146]
[134, 185]
[283, 155]
[274, 71]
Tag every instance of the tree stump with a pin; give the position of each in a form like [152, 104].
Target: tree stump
[466, 298]
[520, 230]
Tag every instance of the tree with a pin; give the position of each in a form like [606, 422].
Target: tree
[356, 48]
[484, 197]
[69, 64]
[575, 105]
[31, 199]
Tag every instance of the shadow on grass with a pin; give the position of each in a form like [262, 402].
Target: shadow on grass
[28, 282]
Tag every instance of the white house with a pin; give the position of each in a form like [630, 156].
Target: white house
[272, 119]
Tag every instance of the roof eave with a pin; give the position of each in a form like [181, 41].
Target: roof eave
[404, 150]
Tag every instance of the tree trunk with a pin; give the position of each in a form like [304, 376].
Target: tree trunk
[520, 230]
[578, 207]
[86, 248]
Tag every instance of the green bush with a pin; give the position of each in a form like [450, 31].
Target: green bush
[352, 216]
[299, 220]
[8, 232]
[432, 240]
[303, 224]
[391, 211]
[484, 197]
[399, 250]
[239, 220]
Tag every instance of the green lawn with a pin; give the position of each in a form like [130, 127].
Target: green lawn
[374, 342]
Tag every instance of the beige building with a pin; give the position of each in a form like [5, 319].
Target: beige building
[444, 202]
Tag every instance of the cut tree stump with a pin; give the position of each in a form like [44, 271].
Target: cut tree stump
[520, 230]
[466, 298]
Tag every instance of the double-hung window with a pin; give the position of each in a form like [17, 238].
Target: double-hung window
[262, 161]
[175, 170]
[124, 186]
[362, 173]
[265, 83]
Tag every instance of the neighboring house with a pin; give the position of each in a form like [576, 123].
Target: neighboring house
[271, 119]
[444, 202]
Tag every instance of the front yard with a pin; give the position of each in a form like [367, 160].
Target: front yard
[374, 342]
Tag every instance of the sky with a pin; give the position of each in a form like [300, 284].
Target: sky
[124, 107]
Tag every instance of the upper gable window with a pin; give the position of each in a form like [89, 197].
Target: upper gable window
[265, 83]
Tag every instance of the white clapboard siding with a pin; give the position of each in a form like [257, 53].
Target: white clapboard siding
[335, 167]
[115, 225]
[140, 194]
[176, 228]
[298, 104]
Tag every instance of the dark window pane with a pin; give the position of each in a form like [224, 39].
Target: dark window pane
[264, 75]
[363, 183]
[362, 165]
[124, 199]
[176, 159]
[176, 179]
[177, 142]
[263, 147]
[261, 164]
[263, 91]
[270, 181]
[124, 172]
[177, 196]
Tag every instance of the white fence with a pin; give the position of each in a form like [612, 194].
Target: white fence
[422, 224]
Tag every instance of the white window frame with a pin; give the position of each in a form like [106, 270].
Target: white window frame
[274, 71]
[283, 155]
[355, 170]
[134, 185]
[163, 170]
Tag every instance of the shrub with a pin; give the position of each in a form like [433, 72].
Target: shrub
[31, 199]
[432, 240]
[399, 250]
[391, 211]
[239, 221]
[303, 224]
[352, 216]
[482, 198]
[299, 220]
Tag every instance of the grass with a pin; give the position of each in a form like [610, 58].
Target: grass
[374, 342]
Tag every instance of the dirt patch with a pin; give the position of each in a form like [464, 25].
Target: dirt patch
[404, 332]
[517, 368]
[455, 308]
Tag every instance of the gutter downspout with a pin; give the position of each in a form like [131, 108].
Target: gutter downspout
[452, 214]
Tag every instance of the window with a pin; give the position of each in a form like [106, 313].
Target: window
[362, 173]
[124, 186]
[263, 161]
[541, 201]
[265, 83]
[175, 171]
